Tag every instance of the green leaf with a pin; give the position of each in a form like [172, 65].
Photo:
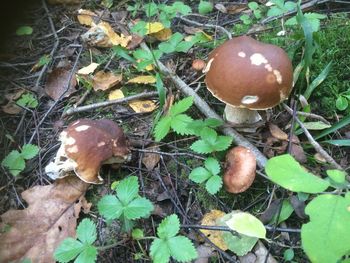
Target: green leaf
[170, 45]
[151, 9]
[28, 100]
[184, 46]
[169, 227]
[222, 143]
[274, 11]
[288, 254]
[14, 162]
[181, 106]
[202, 147]
[209, 135]
[137, 208]
[159, 251]
[137, 233]
[68, 249]
[318, 80]
[285, 171]
[286, 210]
[316, 125]
[24, 30]
[88, 255]
[139, 28]
[337, 176]
[245, 19]
[199, 175]
[212, 165]
[179, 124]
[253, 5]
[214, 184]
[213, 123]
[325, 238]
[180, 7]
[342, 103]
[86, 231]
[123, 53]
[110, 207]
[182, 249]
[161, 90]
[162, 128]
[342, 123]
[127, 189]
[205, 7]
[345, 142]
[246, 224]
[29, 151]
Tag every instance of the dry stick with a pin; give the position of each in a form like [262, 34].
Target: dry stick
[143, 95]
[209, 113]
[306, 114]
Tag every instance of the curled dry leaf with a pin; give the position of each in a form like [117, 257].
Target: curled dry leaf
[105, 80]
[162, 35]
[57, 81]
[51, 216]
[150, 160]
[11, 108]
[88, 69]
[277, 132]
[86, 17]
[142, 106]
[143, 80]
[116, 94]
[209, 219]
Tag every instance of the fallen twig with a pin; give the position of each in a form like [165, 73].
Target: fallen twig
[227, 229]
[306, 114]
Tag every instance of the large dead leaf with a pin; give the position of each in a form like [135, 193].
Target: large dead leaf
[116, 94]
[105, 80]
[51, 216]
[143, 80]
[88, 69]
[57, 82]
[86, 17]
[162, 35]
[150, 160]
[277, 132]
[142, 106]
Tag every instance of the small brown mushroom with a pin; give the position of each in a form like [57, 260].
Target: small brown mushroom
[86, 145]
[240, 169]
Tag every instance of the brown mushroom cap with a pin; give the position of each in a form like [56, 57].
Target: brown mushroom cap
[90, 143]
[244, 72]
[240, 169]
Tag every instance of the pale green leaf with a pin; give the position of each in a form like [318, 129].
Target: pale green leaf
[180, 123]
[246, 224]
[29, 151]
[181, 106]
[137, 233]
[337, 176]
[199, 175]
[14, 162]
[28, 100]
[212, 165]
[316, 125]
[182, 249]
[110, 207]
[161, 90]
[86, 231]
[201, 146]
[205, 7]
[67, 250]
[159, 251]
[24, 30]
[209, 135]
[184, 46]
[162, 128]
[169, 227]
[222, 143]
[214, 184]
[341, 103]
[88, 255]
[151, 9]
[285, 171]
[137, 208]
[127, 189]
[286, 210]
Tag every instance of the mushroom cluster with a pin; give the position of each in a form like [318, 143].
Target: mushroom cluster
[85, 146]
[248, 75]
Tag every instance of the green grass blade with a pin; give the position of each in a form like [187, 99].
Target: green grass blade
[345, 142]
[345, 121]
[318, 80]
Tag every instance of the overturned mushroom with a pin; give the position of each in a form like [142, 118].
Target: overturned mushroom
[86, 145]
[240, 169]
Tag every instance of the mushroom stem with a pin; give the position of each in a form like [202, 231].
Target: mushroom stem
[236, 115]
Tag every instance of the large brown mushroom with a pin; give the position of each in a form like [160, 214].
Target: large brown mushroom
[248, 75]
[86, 145]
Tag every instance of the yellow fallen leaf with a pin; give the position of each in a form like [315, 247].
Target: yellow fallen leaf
[153, 27]
[116, 94]
[114, 38]
[205, 36]
[86, 17]
[88, 69]
[143, 80]
[162, 35]
[142, 106]
[209, 219]
[105, 80]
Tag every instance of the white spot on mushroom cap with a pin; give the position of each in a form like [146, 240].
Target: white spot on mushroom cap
[241, 54]
[73, 149]
[69, 141]
[207, 67]
[278, 76]
[268, 67]
[100, 144]
[249, 99]
[82, 128]
[258, 59]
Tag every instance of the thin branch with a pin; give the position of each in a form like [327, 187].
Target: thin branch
[306, 114]
[227, 229]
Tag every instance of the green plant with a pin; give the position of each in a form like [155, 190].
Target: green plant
[24, 30]
[126, 205]
[323, 238]
[15, 160]
[280, 7]
[170, 244]
[205, 7]
[175, 44]
[28, 100]
[146, 58]
[255, 8]
[342, 102]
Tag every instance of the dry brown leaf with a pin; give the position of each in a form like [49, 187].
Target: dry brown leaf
[163, 35]
[57, 82]
[116, 94]
[135, 41]
[277, 132]
[15, 95]
[11, 108]
[142, 106]
[204, 253]
[51, 216]
[105, 80]
[150, 160]
[88, 69]
[221, 8]
[192, 30]
[86, 17]
[143, 80]
[235, 8]
[209, 219]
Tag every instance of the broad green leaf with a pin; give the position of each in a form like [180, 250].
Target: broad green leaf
[246, 224]
[253, 5]
[345, 142]
[151, 9]
[274, 11]
[162, 128]
[316, 125]
[213, 123]
[86, 231]
[161, 90]
[201, 146]
[14, 162]
[140, 28]
[169, 227]
[182, 249]
[88, 255]
[199, 175]
[325, 238]
[285, 171]
[222, 143]
[127, 189]
[214, 184]
[124, 53]
[24, 30]
[180, 7]
[184, 46]
[170, 45]
[137, 208]
[205, 7]
[209, 135]
[337, 176]
[159, 251]
[288, 254]
[181, 106]
[342, 103]
[212, 165]
[343, 122]
[286, 210]
[29, 151]
[179, 124]
[110, 207]
[68, 250]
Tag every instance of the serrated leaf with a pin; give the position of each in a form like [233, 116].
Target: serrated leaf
[169, 227]
[182, 249]
[14, 162]
[325, 238]
[201, 146]
[162, 128]
[88, 255]
[179, 124]
[170, 45]
[337, 176]
[209, 135]
[151, 9]
[137, 208]
[29, 151]
[159, 251]
[184, 46]
[181, 106]
[222, 143]
[214, 184]
[86, 231]
[110, 207]
[127, 189]
[285, 171]
[205, 7]
[199, 175]
[68, 250]
[213, 123]
[246, 224]
[28, 100]
[212, 165]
